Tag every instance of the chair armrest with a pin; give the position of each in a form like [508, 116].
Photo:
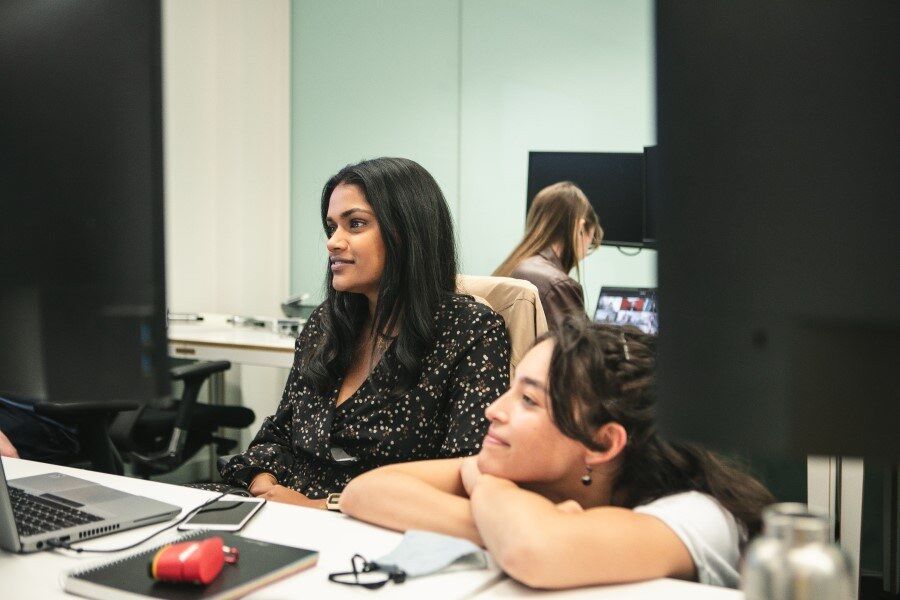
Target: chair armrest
[202, 369]
[74, 412]
[92, 419]
[193, 376]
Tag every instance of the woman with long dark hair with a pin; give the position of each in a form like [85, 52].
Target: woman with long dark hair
[573, 485]
[560, 230]
[394, 365]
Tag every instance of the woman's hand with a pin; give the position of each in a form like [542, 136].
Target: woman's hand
[262, 483]
[279, 493]
[469, 473]
[6, 447]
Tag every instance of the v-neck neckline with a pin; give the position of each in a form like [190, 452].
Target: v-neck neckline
[365, 382]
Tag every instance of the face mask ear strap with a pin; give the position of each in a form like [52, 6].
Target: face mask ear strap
[359, 565]
[396, 576]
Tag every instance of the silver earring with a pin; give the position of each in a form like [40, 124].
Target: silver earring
[586, 478]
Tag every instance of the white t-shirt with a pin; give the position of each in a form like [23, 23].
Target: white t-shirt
[708, 531]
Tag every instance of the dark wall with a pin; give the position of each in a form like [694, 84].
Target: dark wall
[779, 278]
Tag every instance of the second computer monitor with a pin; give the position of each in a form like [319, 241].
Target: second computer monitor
[628, 306]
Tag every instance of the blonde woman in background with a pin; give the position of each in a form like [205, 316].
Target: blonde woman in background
[560, 230]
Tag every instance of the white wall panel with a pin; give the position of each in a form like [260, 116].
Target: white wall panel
[227, 143]
[227, 168]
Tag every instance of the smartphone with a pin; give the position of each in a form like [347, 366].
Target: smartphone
[224, 515]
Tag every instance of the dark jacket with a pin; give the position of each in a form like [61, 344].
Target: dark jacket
[560, 294]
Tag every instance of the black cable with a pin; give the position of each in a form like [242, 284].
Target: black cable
[204, 511]
[188, 515]
[629, 253]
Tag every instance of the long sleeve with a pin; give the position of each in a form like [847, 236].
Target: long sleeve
[563, 298]
[481, 376]
[560, 294]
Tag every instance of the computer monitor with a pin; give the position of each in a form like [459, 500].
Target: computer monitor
[82, 300]
[628, 306]
[778, 257]
[612, 181]
[651, 195]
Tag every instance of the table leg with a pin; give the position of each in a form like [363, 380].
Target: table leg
[835, 490]
[851, 513]
[822, 488]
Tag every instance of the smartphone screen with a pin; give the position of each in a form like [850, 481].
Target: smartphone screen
[227, 515]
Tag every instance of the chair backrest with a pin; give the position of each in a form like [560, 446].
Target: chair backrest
[517, 301]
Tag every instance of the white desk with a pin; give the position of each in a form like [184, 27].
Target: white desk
[215, 339]
[661, 589]
[335, 536]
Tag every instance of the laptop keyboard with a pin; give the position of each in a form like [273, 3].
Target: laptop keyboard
[35, 515]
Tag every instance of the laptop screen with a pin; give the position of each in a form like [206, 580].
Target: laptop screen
[628, 306]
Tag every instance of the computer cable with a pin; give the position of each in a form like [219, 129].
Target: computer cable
[629, 253]
[188, 515]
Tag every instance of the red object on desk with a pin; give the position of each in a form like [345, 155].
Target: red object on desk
[197, 561]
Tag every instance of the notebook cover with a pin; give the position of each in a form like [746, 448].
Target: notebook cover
[260, 563]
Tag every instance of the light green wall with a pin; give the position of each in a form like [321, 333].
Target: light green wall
[573, 75]
[369, 79]
[467, 88]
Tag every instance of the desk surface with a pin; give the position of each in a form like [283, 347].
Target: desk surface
[216, 339]
[335, 536]
[667, 589]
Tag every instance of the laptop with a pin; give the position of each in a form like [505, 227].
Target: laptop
[39, 511]
[628, 306]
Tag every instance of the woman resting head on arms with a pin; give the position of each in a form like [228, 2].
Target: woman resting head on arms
[573, 486]
[560, 230]
[394, 365]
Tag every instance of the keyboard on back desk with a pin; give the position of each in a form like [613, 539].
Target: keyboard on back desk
[35, 515]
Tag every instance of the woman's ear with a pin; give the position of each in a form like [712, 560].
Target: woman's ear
[612, 438]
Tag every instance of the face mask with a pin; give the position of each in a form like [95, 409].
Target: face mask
[419, 553]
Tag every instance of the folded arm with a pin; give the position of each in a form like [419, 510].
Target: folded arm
[545, 547]
[425, 495]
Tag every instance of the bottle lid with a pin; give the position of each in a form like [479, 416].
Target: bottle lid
[795, 523]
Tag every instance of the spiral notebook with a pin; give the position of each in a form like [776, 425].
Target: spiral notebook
[260, 563]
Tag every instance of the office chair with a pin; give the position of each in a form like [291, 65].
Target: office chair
[157, 441]
[517, 301]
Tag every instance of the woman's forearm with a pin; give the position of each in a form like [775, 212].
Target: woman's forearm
[401, 501]
[515, 525]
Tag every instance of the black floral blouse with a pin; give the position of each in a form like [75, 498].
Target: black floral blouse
[441, 416]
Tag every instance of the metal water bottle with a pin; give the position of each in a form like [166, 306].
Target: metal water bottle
[794, 560]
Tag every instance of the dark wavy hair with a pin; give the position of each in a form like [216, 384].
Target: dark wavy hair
[594, 380]
[419, 272]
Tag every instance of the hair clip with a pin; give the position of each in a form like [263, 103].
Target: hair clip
[624, 346]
